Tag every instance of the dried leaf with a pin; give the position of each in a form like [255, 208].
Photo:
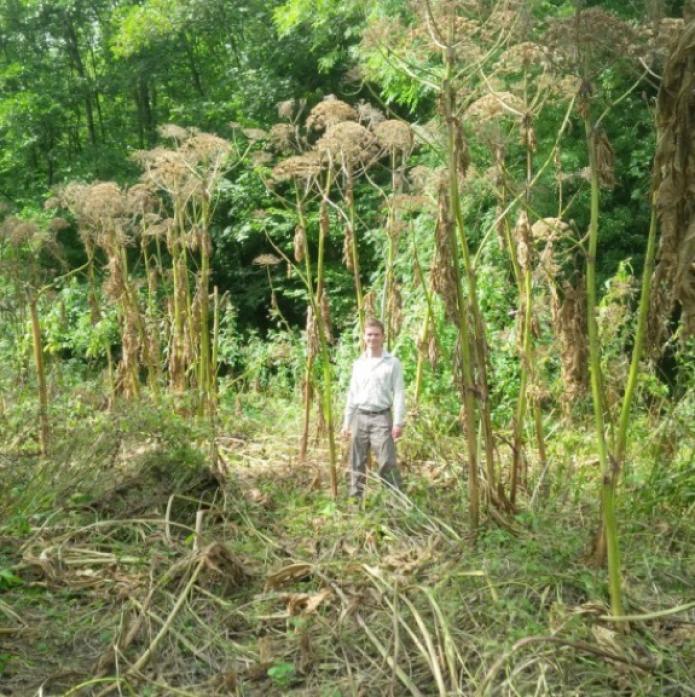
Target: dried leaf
[306, 603]
[288, 574]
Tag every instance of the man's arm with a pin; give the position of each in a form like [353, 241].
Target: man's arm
[398, 399]
[349, 405]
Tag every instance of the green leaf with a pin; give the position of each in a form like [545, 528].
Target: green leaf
[282, 673]
[9, 579]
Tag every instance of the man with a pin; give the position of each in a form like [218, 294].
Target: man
[375, 411]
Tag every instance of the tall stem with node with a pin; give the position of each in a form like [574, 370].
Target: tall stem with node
[153, 353]
[320, 308]
[392, 235]
[608, 464]
[302, 252]
[40, 374]
[428, 327]
[354, 247]
[467, 353]
[638, 346]
[205, 374]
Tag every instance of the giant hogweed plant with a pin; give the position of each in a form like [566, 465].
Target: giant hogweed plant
[466, 45]
[29, 255]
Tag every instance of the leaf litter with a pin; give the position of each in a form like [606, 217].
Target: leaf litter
[173, 578]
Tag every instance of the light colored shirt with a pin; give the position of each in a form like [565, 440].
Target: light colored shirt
[376, 384]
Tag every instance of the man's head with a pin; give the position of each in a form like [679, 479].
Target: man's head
[374, 336]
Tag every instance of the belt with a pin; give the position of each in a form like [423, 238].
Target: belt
[374, 413]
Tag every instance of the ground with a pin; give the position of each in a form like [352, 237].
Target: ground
[146, 556]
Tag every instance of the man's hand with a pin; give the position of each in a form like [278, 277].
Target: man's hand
[397, 432]
[345, 433]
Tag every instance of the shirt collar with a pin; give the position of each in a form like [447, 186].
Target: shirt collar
[384, 355]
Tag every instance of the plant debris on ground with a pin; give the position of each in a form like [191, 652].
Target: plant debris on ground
[146, 559]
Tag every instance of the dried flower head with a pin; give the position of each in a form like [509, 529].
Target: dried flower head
[298, 167]
[408, 203]
[104, 202]
[369, 115]
[286, 109]
[51, 202]
[329, 112]
[58, 224]
[206, 149]
[254, 134]
[549, 229]
[166, 169]
[72, 196]
[589, 40]
[522, 56]
[161, 229]
[260, 158]
[394, 135]
[19, 232]
[173, 132]
[140, 199]
[353, 74]
[266, 260]
[348, 142]
[495, 106]
[283, 137]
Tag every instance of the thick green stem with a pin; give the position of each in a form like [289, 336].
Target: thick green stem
[326, 392]
[392, 234]
[621, 436]
[526, 359]
[40, 376]
[177, 369]
[608, 471]
[354, 250]
[478, 341]
[150, 329]
[205, 379]
[309, 362]
[424, 331]
[469, 402]
[523, 269]
[214, 358]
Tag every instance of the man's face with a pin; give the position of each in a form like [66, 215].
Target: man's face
[374, 339]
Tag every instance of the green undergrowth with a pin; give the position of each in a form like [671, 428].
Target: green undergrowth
[154, 554]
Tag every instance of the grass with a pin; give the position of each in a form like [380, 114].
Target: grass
[131, 564]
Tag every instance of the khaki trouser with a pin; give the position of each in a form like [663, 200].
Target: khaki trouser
[372, 431]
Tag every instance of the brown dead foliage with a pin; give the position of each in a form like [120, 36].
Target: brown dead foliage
[442, 274]
[567, 308]
[288, 574]
[673, 281]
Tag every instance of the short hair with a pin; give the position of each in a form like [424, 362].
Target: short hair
[374, 322]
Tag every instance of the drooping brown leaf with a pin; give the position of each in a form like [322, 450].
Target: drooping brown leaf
[288, 574]
[673, 281]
